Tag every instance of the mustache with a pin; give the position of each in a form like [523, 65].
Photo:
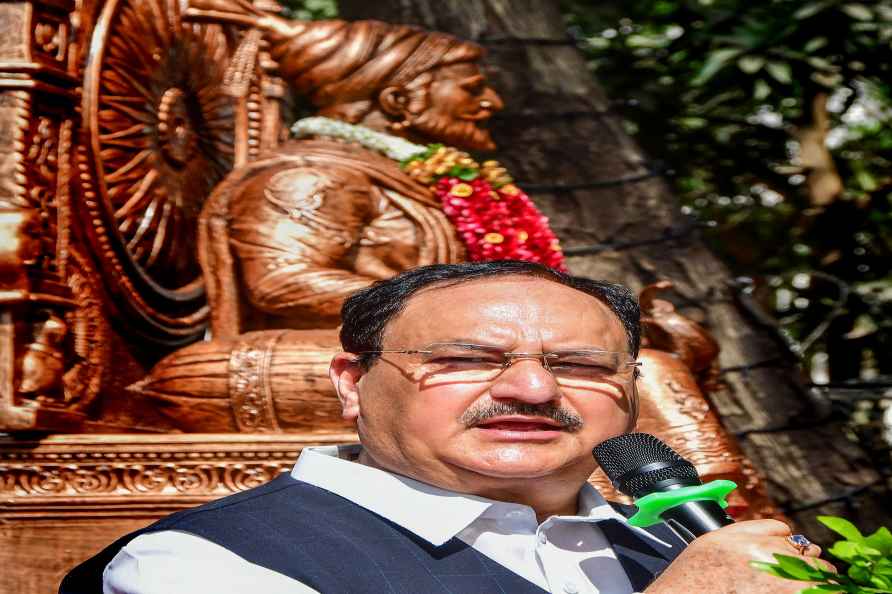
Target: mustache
[480, 414]
[461, 133]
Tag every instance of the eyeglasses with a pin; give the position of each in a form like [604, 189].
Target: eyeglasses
[481, 363]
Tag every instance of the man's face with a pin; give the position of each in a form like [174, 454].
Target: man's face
[424, 427]
[458, 106]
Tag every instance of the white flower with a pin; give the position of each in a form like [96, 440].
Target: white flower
[391, 146]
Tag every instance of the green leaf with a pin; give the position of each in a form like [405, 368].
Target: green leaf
[827, 80]
[880, 540]
[773, 569]
[861, 575]
[858, 11]
[881, 582]
[842, 527]
[821, 589]
[761, 90]
[750, 64]
[780, 71]
[714, 62]
[815, 44]
[844, 550]
[863, 326]
[797, 567]
[810, 9]
[866, 180]
[820, 63]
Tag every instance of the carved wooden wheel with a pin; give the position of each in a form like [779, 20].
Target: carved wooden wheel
[159, 136]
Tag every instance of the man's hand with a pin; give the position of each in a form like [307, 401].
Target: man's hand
[718, 562]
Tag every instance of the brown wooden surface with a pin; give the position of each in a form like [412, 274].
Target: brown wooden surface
[558, 127]
[35, 556]
[64, 498]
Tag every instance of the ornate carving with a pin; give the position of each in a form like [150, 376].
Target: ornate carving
[141, 479]
[51, 38]
[15, 111]
[38, 340]
[89, 334]
[133, 467]
[43, 181]
[159, 136]
[250, 395]
[44, 361]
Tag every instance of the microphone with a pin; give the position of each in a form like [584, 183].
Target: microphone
[664, 485]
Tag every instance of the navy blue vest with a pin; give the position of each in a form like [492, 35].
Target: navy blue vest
[338, 547]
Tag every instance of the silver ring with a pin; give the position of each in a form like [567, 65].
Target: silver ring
[799, 542]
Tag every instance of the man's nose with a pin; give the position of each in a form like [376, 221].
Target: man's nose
[526, 380]
[495, 102]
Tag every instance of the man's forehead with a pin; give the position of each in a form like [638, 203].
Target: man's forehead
[459, 70]
[437, 310]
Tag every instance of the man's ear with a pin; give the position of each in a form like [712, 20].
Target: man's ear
[345, 372]
[394, 101]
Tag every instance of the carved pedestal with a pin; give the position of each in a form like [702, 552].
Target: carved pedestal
[64, 498]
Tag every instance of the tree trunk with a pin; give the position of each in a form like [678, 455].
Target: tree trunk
[617, 219]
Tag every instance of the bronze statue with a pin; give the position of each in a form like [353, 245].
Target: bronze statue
[285, 238]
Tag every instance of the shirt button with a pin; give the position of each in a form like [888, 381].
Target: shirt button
[570, 588]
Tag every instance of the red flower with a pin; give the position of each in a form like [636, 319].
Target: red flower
[498, 224]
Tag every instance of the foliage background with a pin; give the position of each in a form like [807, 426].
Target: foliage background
[771, 121]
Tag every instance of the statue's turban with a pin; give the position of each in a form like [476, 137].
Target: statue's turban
[340, 62]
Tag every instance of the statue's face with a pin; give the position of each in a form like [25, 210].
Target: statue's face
[459, 104]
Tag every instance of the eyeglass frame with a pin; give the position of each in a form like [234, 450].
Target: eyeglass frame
[509, 357]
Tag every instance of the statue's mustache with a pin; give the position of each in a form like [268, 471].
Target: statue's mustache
[483, 412]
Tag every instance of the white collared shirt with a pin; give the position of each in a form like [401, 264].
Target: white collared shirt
[563, 554]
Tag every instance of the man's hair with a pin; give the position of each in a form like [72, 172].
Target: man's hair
[367, 312]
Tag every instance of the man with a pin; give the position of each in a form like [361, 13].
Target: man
[478, 391]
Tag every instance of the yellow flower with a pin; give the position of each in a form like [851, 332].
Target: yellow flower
[493, 238]
[511, 190]
[522, 236]
[461, 190]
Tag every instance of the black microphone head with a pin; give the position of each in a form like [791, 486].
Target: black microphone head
[639, 463]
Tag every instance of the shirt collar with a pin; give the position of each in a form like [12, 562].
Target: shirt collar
[432, 513]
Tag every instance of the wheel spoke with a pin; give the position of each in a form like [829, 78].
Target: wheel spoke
[134, 162]
[160, 233]
[139, 196]
[144, 225]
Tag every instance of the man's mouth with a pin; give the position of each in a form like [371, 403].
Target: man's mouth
[481, 117]
[520, 428]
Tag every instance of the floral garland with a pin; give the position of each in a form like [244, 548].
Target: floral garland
[494, 218]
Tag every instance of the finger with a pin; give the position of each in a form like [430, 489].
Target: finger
[813, 550]
[767, 527]
[826, 565]
[822, 564]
